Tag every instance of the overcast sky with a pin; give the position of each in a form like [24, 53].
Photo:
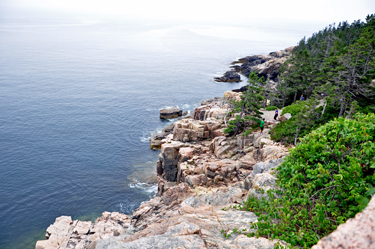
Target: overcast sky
[327, 11]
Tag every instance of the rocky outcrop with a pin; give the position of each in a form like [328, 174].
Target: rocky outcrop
[197, 225]
[229, 76]
[284, 117]
[156, 140]
[167, 165]
[188, 129]
[65, 233]
[264, 65]
[213, 109]
[200, 174]
[358, 232]
[170, 113]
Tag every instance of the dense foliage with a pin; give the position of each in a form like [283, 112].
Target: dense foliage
[306, 116]
[337, 65]
[341, 59]
[325, 180]
[271, 108]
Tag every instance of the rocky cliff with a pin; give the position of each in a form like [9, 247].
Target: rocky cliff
[202, 177]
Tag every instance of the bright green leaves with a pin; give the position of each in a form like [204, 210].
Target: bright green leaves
[325, 180]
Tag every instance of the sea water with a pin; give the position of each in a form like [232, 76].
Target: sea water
[79, 99]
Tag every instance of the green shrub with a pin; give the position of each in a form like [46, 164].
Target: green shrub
[271, 108]
[304, 118]
[325, 180]
[294, 109]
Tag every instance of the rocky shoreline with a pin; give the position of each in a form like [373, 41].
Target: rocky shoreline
[202, 176]
[266, 65]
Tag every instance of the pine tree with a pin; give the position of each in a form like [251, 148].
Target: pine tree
[247, 108]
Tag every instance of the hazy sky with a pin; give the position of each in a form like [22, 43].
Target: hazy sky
[328, 11]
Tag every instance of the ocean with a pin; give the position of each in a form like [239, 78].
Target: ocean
[79, 99]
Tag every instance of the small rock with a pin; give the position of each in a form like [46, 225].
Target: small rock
[170, 113]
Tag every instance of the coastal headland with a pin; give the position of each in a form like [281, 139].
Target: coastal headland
[203, 177]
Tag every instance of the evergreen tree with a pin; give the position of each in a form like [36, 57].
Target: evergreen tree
[247, 108]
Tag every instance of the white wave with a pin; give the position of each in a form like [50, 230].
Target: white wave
[128, 207]
[152, 109]
[145, 138]
[169, 107]
[152, 189]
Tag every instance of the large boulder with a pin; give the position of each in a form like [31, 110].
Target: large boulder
[287, 115]
[170, 113]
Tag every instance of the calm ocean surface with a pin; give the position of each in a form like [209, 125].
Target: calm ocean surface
[79, 99]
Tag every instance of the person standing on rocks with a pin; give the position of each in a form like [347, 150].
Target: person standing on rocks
[276, 114]
[261, 126]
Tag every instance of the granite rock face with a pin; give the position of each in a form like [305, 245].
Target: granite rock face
[168, 160]
[201, 175]
[65, 233]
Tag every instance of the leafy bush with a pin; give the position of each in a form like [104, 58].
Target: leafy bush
[294, 109]
[304, 119]
[271, 108]
[325, 180]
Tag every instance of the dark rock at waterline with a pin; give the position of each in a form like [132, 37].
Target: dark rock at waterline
[251, 60]
[170, 113]
[240, 90]
[230, 76]
[267, 66]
